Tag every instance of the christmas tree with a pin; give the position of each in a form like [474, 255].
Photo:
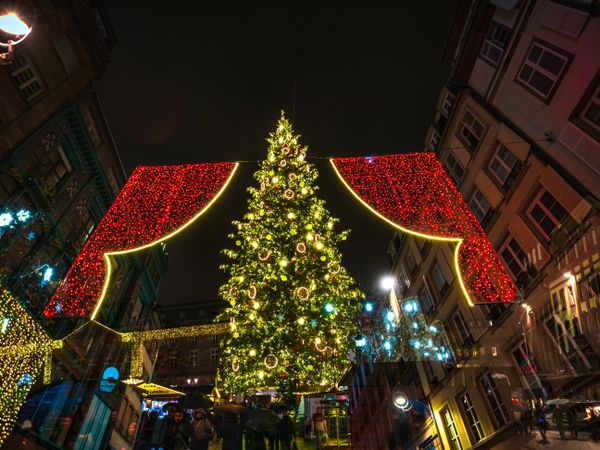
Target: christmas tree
[292, 306]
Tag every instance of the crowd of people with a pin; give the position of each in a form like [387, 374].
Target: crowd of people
[180, 431]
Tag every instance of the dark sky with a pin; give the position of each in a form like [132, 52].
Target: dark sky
[187, 85]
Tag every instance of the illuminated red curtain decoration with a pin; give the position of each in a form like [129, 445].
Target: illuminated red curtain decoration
[413, 193]
[155, 203]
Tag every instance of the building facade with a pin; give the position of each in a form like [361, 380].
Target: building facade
[189, 363]
[59, 173]
[516, 128]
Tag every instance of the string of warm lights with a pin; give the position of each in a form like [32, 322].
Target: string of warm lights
[413, 193]
[292, 304]
[156, 203]
[23, 346]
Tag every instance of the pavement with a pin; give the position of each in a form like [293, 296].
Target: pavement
[553, 440]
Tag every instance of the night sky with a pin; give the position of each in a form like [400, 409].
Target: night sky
[189, 86]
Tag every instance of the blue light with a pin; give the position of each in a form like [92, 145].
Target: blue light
[415, 325]
[369, 159]
[439, 356]
[329, 308]
[4, 325]
[415, 306]
[416, 344]
[369, 307]
[31, 236]
[23, 215]
[433, 328]
[25, 380]
[408, 307]
[58, 307]
[387, 345]
[429, 343]
[5, 219]
[361, 342]
[390, 316]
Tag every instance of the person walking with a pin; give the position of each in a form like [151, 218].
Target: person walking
[203, 430]
[285, 431]
[318, 426]
[231, 431]
[179, 431]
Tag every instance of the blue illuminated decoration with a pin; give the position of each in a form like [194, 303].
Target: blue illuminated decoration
[329, 308]
[31, 236]
[415, 325]
[369, 307]
[369, 159]
[390, 316]
[46, 275]
[23, 215]
[313, 323]
[4, 325]
[387, 345]
[416, 344]
[361, 341]
[109, 379]
[5, 219]
[433, 328]
[25, 380]
[58, 307]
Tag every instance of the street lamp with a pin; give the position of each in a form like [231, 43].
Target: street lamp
[12, 32]
[387, 283]
[401, 401]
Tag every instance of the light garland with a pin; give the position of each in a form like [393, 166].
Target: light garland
[155, 204]
[413, 193]
[24, 347]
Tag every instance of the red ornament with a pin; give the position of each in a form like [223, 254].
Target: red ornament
[154, 204]
[414, 192]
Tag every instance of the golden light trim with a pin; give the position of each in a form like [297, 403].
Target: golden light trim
[414, 233]
[158, 241]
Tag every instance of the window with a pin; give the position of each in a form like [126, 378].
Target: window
[588, 285]
[54, 167]
[472, 418]
[542, 69]
[494, 399]
[410, 264]
[517, 262]
[464, 334]
[574, 345]
[90, 125]
[194, 341]
[471, 131]
[440, 279]
[427, 299]
[8, 185]
[451, 430]
[26, 77]
[529, 370]
[455, 170]
[172, 343]
[495, 43]
[546, 213]
[194, 358]
[215, 339]
[434, 140]
[481, 208]
[173, 360]
[214, 357]
[591, 111]
[447, 104]
[504, 167]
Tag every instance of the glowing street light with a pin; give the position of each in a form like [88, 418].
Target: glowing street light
[14, 30]
[401, 401]
[387, 283]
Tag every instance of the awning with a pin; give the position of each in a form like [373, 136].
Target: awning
[155, 391]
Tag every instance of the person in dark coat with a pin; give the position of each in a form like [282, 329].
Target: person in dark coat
[231, 432]
[203, 430]
[286, 431]
[179, 432]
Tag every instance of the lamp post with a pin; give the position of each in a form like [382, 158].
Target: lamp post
[12, 32]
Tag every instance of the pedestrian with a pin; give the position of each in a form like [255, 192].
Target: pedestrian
[558, 418]
[285, 431]
[231, 432]
[541, 422]
[178, 431]
[318, 426]
[203, 430]
[572, 422]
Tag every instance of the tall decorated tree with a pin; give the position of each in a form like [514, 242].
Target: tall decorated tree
[292, 304]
